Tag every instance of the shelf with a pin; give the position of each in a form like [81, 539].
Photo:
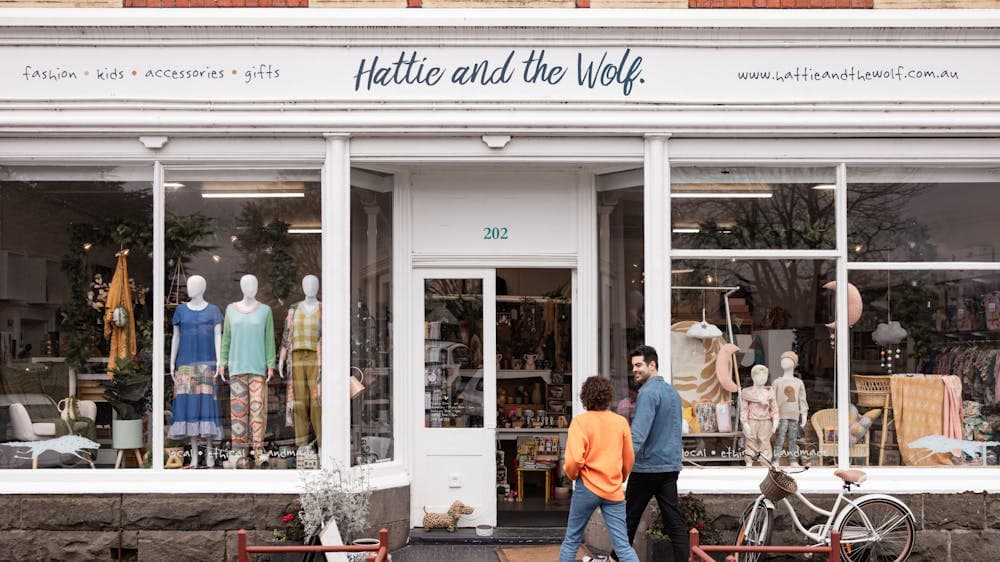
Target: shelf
[544, 374]
[532, 430]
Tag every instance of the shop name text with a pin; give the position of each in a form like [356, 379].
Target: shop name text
[609, 70]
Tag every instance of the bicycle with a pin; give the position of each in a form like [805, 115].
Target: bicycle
[873, 527]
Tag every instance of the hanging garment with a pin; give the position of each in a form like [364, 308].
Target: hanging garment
[119, 304]
[195, 407]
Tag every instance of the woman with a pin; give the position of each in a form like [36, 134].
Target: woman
[599, 457]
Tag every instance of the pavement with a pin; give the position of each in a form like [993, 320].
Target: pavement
[465, 546]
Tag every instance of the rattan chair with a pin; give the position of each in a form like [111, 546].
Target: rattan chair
[828, 418]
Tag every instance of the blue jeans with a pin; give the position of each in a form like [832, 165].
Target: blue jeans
[785, 440]
[581, 507]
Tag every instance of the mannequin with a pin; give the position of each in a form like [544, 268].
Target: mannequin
[758, 413]
[248, 355]
[300, 362]
[195, 346]
[793, 410]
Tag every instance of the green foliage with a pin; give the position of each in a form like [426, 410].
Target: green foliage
[183, 236]
[259, 239]
[692, 508]
[128, 390]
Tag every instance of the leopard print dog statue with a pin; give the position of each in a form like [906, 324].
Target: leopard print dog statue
[446, 520]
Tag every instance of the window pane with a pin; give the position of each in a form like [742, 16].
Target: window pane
[75, 306]
[242, 262]
[922, 214]
[453, 371]
[924, 361]
[371, 319]
[622, 319]
[753, 208]
[776, 315]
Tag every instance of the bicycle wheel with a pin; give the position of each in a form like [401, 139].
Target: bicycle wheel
[889, 539]
[755, 529]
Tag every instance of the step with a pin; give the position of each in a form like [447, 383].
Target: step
[502, 535]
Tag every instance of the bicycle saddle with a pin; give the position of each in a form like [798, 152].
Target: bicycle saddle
[851, 475]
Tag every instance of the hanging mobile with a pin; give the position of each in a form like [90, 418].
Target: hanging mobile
[889, 335]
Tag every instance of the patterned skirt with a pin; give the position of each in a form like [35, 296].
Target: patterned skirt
[195, 407]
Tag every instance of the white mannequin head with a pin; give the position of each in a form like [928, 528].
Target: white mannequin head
[789, 360]
[196, 286]
[248, 284]
[310, 286]
[759, 374]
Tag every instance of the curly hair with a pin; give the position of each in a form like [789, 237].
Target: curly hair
[596, 393]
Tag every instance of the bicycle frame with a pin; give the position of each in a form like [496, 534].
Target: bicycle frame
[823, 536]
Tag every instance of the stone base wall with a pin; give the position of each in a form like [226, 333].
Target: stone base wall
[155, 527]
[950, 527]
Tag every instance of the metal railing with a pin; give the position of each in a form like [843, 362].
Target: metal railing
[699, 552]
[379, 552]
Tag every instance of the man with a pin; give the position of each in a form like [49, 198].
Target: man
[656, 438]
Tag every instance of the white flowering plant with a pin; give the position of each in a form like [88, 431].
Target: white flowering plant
[338, 492]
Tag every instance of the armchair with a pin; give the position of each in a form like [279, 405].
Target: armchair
[34, 417]
[828, 418]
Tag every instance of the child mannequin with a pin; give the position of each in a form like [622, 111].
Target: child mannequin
[758, 413]
[790, 394]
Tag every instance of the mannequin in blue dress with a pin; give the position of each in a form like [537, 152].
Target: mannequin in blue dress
[194, 357]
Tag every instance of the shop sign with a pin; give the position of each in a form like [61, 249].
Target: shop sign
[649, 74]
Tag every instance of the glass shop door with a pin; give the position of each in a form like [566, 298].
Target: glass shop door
[456, 422]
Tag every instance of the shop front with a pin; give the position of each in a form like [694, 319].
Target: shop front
[399, 244]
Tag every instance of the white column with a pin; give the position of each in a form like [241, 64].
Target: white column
[843, 331]
[159, 268]
[656, 252]
[585, 301]
[407, 392]
[336, 218]
[604, 262]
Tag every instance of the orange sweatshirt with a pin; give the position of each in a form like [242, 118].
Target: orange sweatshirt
[599, 450]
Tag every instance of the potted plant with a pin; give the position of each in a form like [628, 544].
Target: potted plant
[692, 508]
[338, 493]
[127, 393]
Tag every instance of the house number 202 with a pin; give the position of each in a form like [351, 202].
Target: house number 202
[494, 233]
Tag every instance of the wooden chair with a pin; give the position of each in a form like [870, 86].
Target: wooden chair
[828, 418]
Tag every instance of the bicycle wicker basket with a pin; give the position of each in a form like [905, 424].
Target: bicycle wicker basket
[776, 486]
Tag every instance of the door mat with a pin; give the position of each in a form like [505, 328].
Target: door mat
[535, 553]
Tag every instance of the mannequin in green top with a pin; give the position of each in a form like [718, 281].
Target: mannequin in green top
[248, 356]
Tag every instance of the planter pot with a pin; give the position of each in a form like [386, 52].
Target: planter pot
[360, 556]
[126, 434]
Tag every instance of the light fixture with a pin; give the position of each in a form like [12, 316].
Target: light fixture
[216, 258]
[679, 271]
[721, 195]
[233, 238]
[825, 187]
[305, 230]
[253, 194]
[173, 185]
[87, 246]
[686, 230]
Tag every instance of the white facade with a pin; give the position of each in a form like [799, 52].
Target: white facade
[888, 89]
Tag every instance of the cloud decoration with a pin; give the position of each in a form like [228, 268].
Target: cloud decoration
[889, 334]
[704, 331]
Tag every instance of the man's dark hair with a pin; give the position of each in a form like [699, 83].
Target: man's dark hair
[648, 354]
[596, 393]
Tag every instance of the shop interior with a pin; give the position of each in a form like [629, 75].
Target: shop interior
[533, 384]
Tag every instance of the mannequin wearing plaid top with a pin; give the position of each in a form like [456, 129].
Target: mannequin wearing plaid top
[299, 362]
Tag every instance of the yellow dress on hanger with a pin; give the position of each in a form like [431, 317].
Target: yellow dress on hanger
[119, 295]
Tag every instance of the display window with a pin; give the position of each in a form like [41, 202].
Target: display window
[371, 318]
[752, 208]
[922, 214]
[925, 355]
[621, 259]
[76, 317]
[243, 334]
[752, 355]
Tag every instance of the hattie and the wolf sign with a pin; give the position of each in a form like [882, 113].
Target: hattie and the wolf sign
[620, 70]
